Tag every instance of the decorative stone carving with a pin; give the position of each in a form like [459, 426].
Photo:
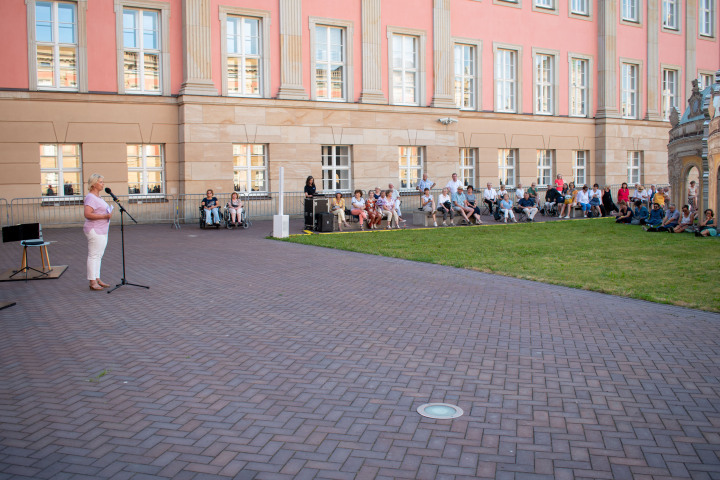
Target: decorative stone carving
[674, 117]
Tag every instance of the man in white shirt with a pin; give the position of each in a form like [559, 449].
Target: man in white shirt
[454, 184]
[519, 192]
[636, 194]
[396, 198]
[490, 197]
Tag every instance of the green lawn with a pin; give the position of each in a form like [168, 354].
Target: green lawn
[597, 255]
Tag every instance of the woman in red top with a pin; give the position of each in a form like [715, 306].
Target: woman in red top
[623, 193]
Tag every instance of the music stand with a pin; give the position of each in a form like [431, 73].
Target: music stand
[28, 234]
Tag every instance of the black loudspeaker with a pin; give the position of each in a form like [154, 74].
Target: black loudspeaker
[324, 222]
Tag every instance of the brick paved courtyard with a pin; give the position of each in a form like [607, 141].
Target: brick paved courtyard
[251, 358]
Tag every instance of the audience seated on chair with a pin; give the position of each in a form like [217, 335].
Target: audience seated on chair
[210, 206]
[444, 206]
[427, 204]
[528, 206]
[506, 208]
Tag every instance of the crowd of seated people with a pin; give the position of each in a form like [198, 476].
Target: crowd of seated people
[641, 206]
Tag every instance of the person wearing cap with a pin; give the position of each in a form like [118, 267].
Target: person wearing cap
[458, 200]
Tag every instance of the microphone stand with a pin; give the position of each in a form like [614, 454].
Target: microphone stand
[123, 281]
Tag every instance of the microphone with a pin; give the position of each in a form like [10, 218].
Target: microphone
[109, 192]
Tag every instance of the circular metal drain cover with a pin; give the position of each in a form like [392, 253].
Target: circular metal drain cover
[440, 411]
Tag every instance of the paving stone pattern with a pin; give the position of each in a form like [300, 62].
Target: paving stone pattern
[255, 359]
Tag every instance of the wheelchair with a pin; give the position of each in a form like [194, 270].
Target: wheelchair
[204, 225]
[225, 217]
[549, 209]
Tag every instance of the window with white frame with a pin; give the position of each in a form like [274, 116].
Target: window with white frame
[579, 7]
[506, 166]
[634, 167]
[544, 167]
[330, 62]
[506, 80]
[146, 169]
[670, 13]
[579, 166]
[250, 168]
[336, 168]
[706, 18]
[467, 166]
[578, 87]
[670, 94]
[544, 84]
[465, 76]
[630, 10]
[705, 80]
[141, 51]
[405, 76]
[57, 45]
[60, 170]
[629, 95]
[244, 54]
[411, 165]
[544, 3]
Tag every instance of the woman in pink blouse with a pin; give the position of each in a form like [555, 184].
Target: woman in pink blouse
[97, 220]
[623, 193]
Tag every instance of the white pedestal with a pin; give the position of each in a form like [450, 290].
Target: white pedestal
[281, 226]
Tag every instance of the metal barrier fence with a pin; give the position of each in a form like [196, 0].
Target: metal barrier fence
[184, 208]
[70, 211]
[4, 213]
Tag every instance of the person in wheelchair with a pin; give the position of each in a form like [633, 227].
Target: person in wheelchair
[235, 208]
[209, 205]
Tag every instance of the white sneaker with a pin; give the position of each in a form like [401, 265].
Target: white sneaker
[505, 219]
[435, 223]
[567, 216]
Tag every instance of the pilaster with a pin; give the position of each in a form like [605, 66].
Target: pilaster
[691, 25]
[607, 59]
[371, 45]
[291, 78]
[653, 62]
[197, 49]
[442, 56]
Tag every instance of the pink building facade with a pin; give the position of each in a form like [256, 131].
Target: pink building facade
[165, 97]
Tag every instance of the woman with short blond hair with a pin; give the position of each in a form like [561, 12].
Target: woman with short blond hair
[97, 219]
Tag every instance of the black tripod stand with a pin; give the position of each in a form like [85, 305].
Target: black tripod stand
[123, 281]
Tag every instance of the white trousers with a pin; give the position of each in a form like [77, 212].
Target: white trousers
[96, 249]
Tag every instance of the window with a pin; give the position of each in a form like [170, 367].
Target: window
[145, 169]
[57, 45]
[467, 166]
[669, 92]
[405, 69]
[141, 55]
[506, 80]
[634, 168]
[243, 56]
[705, 80]
[336, 168]
[579, 7]
[544, 3]
[250, 168]
[465, 76]
[579, 166]
[329, 63]
[578, 87]
[60, 170]
[629, 90]
[630, 10]
[670, 14]
[544, 84]
[506, 166]
[706, 18]
[411, 165]
[544, 167]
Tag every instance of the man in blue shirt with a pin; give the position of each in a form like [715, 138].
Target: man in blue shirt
[458, 199]
[528, 206]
